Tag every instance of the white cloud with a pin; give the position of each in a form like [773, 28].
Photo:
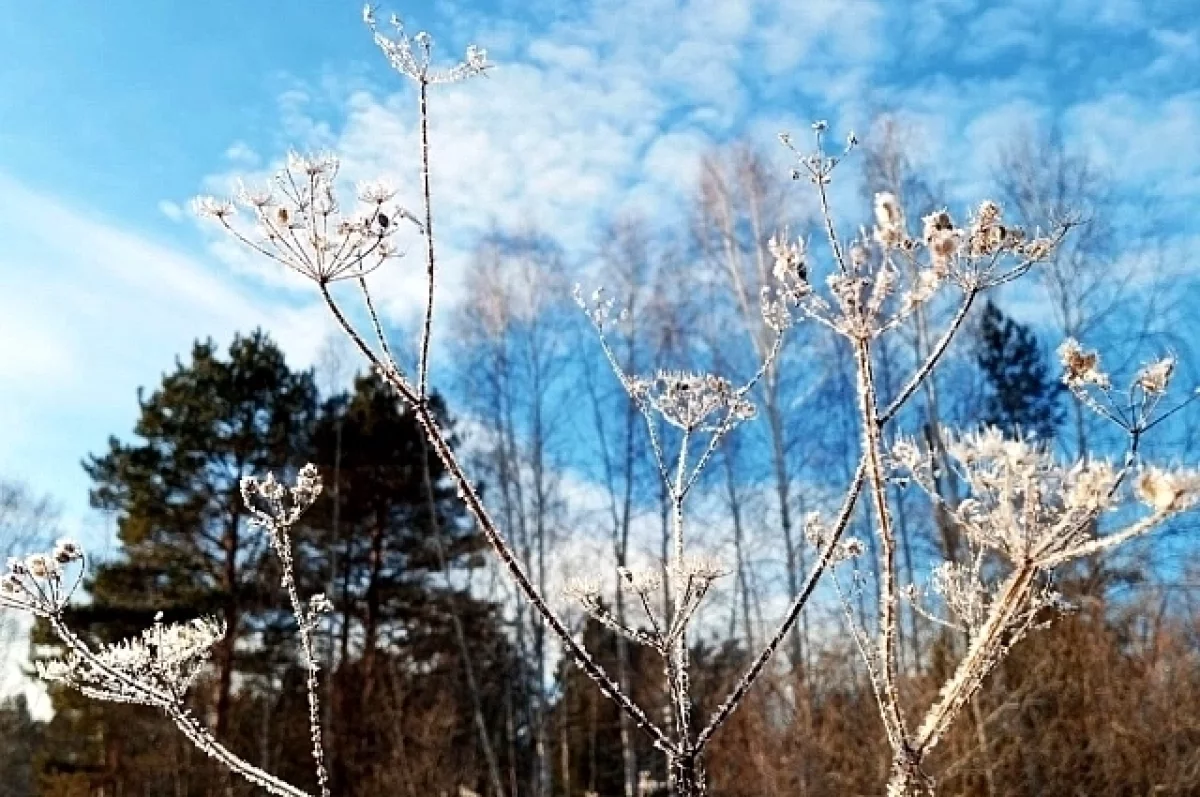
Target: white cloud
[1144, 142]
[1118, 14]
[1176, 46]
[171, 210]
[792, 34]
[241, 154]
[601, 113]
[570, 58]
[89, 311]
[1010, 31]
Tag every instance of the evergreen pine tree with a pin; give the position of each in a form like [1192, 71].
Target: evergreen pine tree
[402, 556]
[1021, 395]
[20, 737]
[586, 726]
[187, 548]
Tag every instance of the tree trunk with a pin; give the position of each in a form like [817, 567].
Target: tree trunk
[231, 615]
[371, 622]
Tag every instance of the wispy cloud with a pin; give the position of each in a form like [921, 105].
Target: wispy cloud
[89, 310]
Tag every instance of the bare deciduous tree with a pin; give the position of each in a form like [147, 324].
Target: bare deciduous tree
[26, 521]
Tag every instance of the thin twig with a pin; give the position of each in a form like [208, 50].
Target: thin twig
[427, 327]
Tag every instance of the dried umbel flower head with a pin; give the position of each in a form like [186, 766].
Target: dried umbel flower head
[156, 668]
[923, 288]
[701, 568]
[599, 310]
[299, 222]
[776, 313]
[276, 507]
[791, 286]
[693, 576]
[818, 165]
[987, 214]
[38, 584]
[692, 401]
[41, 565]
[942, 240]
[907, 456]
[1156, 376]
[319, 604]
[889, 220]
[964, 593]
[988, 235]
[584, 589]
[1168, 491]
[790, 269]
[376, 192]
[1080, 367]
[816, 534]
[1024, 504]
[66, 551]
[209, 207]
[412, 56]
[1090, 484]
[816, 531]
[847, 549]
[643, 581]
[1037, 249]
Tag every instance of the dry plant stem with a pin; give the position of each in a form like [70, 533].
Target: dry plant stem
[172, 705]
[847, 510]
[427, 329]
[751, 675]
[931, 361]
[872, 455]
[610, 621]
[888, 599]
[1104, 543]
[827, 215]
[969, 674]
[683, 761]
[199, 736]
[460, 635]
[507, 557]
[375, 325]
[63, 632]
[283, 548]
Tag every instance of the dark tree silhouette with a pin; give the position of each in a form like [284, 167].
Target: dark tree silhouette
[1021, 394]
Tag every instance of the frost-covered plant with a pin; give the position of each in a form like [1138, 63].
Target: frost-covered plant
[159, 667]
[1025, 509]
[39, 583]
[299, 222]
[1027, 513]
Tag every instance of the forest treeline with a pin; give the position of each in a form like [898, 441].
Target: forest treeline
[437, 681]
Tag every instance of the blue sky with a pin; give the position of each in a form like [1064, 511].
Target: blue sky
[113, 114]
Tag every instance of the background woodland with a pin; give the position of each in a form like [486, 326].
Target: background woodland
[438, 680]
